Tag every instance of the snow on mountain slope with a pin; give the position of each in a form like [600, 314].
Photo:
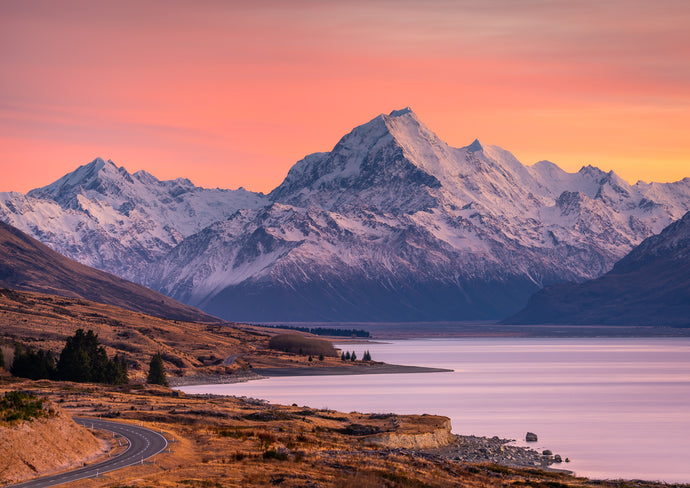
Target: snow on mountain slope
[649, 286]
[105, 217]
[392, 224]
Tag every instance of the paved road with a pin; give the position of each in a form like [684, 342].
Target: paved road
[143, 443]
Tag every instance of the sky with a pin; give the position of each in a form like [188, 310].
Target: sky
[233, 93]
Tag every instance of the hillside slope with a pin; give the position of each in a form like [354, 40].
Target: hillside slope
[649, 286]
[26, 264]
[41, 446]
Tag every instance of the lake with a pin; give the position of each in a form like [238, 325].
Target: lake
[618, 408]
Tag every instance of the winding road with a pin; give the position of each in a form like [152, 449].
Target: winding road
[143, 443]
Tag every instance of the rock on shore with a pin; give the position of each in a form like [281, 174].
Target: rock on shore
[473, 449]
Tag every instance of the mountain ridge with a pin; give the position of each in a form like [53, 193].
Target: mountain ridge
[392, 223]
[649, 286]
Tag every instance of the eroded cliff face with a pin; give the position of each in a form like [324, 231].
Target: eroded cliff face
[41, 446]
[438, 435]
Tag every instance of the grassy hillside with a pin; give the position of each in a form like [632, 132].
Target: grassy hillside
[28, 265]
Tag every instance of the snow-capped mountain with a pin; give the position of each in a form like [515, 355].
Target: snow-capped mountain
[392, 224]
[102, 216]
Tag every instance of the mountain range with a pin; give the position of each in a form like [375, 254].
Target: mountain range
[392, 224]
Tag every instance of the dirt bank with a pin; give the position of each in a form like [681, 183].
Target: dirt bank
[32, 448]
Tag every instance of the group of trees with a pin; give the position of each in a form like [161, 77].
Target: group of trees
[325, 331]
[347, 356]
[82, 360]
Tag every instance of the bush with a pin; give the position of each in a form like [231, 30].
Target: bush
[299, 344]
[273, 454]
[18, 405]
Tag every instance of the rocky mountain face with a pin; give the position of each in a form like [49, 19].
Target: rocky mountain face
[26, 264]
[649, 286]
[391, 225]
[102, 216]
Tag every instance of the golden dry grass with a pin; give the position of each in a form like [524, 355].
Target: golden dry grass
[188, 348]
[235, 442]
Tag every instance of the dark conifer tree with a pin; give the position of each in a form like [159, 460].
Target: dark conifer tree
[116, 371]
[353, 356]
[157, 374]
[33, 365]
[82, 359]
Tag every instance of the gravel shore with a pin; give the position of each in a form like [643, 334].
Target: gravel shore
[473, 449]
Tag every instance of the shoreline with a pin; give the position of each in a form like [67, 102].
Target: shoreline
[243, 376]
[483, 449]
[385, 331]
[378, 368]
[463, 448]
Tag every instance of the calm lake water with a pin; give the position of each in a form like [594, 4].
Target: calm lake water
[618, 408]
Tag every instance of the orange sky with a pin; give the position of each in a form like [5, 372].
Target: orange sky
[232, 94]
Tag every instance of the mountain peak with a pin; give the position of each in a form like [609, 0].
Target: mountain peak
[401, 112]
[86, 176]
[592, 170]
[475, 146]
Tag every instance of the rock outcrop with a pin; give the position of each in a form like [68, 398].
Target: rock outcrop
[438, 436]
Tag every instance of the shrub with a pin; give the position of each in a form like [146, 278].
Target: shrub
[273, 454]
[299, 344]
[18, 405]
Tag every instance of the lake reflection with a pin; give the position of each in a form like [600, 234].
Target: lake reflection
[617, 407]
